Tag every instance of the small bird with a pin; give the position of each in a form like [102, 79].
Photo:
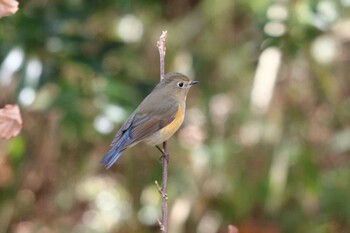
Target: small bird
[156, 119]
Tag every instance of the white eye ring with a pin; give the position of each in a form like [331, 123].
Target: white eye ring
[180, 84]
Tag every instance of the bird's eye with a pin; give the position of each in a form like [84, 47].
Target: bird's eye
[180, 84]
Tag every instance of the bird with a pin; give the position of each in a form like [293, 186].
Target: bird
[156, 119]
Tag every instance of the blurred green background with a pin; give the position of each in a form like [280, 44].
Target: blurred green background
[266, 140]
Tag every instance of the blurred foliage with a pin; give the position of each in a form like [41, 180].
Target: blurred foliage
[78, 68]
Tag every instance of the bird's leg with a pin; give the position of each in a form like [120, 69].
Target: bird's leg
[164, 154]
[160, 149]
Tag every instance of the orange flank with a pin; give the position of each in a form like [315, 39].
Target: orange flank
[166, 132]
[171, 128]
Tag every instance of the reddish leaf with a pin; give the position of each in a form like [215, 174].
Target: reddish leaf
[232, 229]
[10, 121]
[8, 7]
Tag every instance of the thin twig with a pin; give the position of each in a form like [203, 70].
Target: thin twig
[163, 190]
[163, 224]
[160, 225]
[162, 50]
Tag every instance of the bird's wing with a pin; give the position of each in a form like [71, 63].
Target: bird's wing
[142, 124]
[123, 129]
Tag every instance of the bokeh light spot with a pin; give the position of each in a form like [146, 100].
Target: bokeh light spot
[130, 29]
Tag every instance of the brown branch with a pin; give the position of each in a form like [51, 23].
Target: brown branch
[165, 156]
[162, 50]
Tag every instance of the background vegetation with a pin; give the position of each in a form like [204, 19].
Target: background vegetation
[267, 156]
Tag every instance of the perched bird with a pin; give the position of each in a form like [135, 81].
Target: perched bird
[156, 119]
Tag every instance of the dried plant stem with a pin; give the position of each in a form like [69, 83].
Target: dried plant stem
[163, 223]
[162, 50]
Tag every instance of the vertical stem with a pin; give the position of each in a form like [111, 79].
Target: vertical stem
[165, 160]
[162, 50]
[165, 156]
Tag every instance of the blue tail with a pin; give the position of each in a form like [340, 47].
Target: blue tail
[115, 152]
[111, 157]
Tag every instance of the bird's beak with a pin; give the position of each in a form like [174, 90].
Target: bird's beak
[193, 82]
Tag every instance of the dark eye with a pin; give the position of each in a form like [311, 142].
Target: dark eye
[180, 84]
